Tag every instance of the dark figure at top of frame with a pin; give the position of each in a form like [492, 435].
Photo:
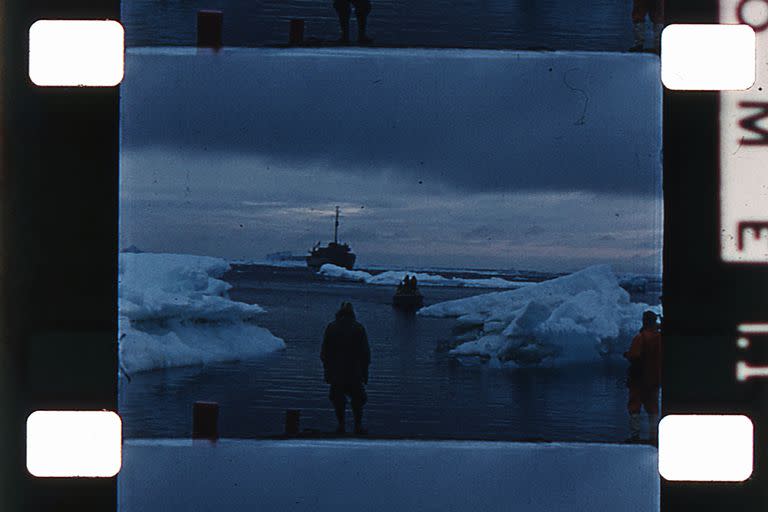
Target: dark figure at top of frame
[344, 10]
[346, 356]
[644, 377]
[654, 9]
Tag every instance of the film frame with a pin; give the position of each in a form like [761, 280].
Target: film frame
[705, 299]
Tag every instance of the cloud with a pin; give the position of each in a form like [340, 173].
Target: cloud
[388, 223]
[484, 232]
[490, 123]
[260, 204]
[453, 159]
[534, 230]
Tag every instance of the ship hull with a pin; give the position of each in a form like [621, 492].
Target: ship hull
[315, 261]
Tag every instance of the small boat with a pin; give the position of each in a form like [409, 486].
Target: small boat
[408, 301]
[407, 297]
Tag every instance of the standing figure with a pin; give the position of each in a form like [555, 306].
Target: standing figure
[654, 9]
[344, 10]
[644, 377]
[346, 356]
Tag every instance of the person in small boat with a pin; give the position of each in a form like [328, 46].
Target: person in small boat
[414, 284]
[346, 356]
[644, 376]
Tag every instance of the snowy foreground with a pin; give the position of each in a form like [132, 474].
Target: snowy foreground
[394, 277]
[174, 311]
[576, 318]
[373, 476]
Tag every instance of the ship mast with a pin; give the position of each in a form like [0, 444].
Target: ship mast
[336, 228]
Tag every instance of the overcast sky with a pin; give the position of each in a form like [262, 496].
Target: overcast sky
[545, 161]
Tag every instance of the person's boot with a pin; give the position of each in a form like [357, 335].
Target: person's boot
[340, 419]
[634, 428]
[359, 429]
[638, 32]
[362, 24]
[653, 422]
[344, 25]
[657, 29]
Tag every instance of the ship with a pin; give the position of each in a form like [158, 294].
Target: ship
[284, 256]
[334, 253]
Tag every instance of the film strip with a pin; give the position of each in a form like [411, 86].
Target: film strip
[61, 353]
[742, 214]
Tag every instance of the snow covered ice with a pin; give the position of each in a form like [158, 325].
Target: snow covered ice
[572, 319]
[449, 476]
[632, 282]
[394, 277]
[174, 311]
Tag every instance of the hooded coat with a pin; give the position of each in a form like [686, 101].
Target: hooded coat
[345, 352]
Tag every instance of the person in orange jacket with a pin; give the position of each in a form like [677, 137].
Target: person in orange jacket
[644, 376]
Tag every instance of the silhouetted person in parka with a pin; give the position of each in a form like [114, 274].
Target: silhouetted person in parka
[362, 9]
[346, 356]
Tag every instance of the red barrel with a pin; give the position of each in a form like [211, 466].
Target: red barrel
[296, 31]
[205, 420]
[292, 420]
[209, 28]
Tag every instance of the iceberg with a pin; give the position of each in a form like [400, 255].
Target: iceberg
[633, 283]
[576, 318]
[394, 277]
[174, 311]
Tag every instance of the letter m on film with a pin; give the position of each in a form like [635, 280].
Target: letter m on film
[751, 123]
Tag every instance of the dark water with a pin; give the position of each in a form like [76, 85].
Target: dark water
[518, 24]
[414, 391]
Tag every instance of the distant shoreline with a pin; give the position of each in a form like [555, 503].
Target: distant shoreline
[526, 274]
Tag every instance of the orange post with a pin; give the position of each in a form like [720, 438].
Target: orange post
[292, 420]
[205, 420]
[209, 28]
[296, 31]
